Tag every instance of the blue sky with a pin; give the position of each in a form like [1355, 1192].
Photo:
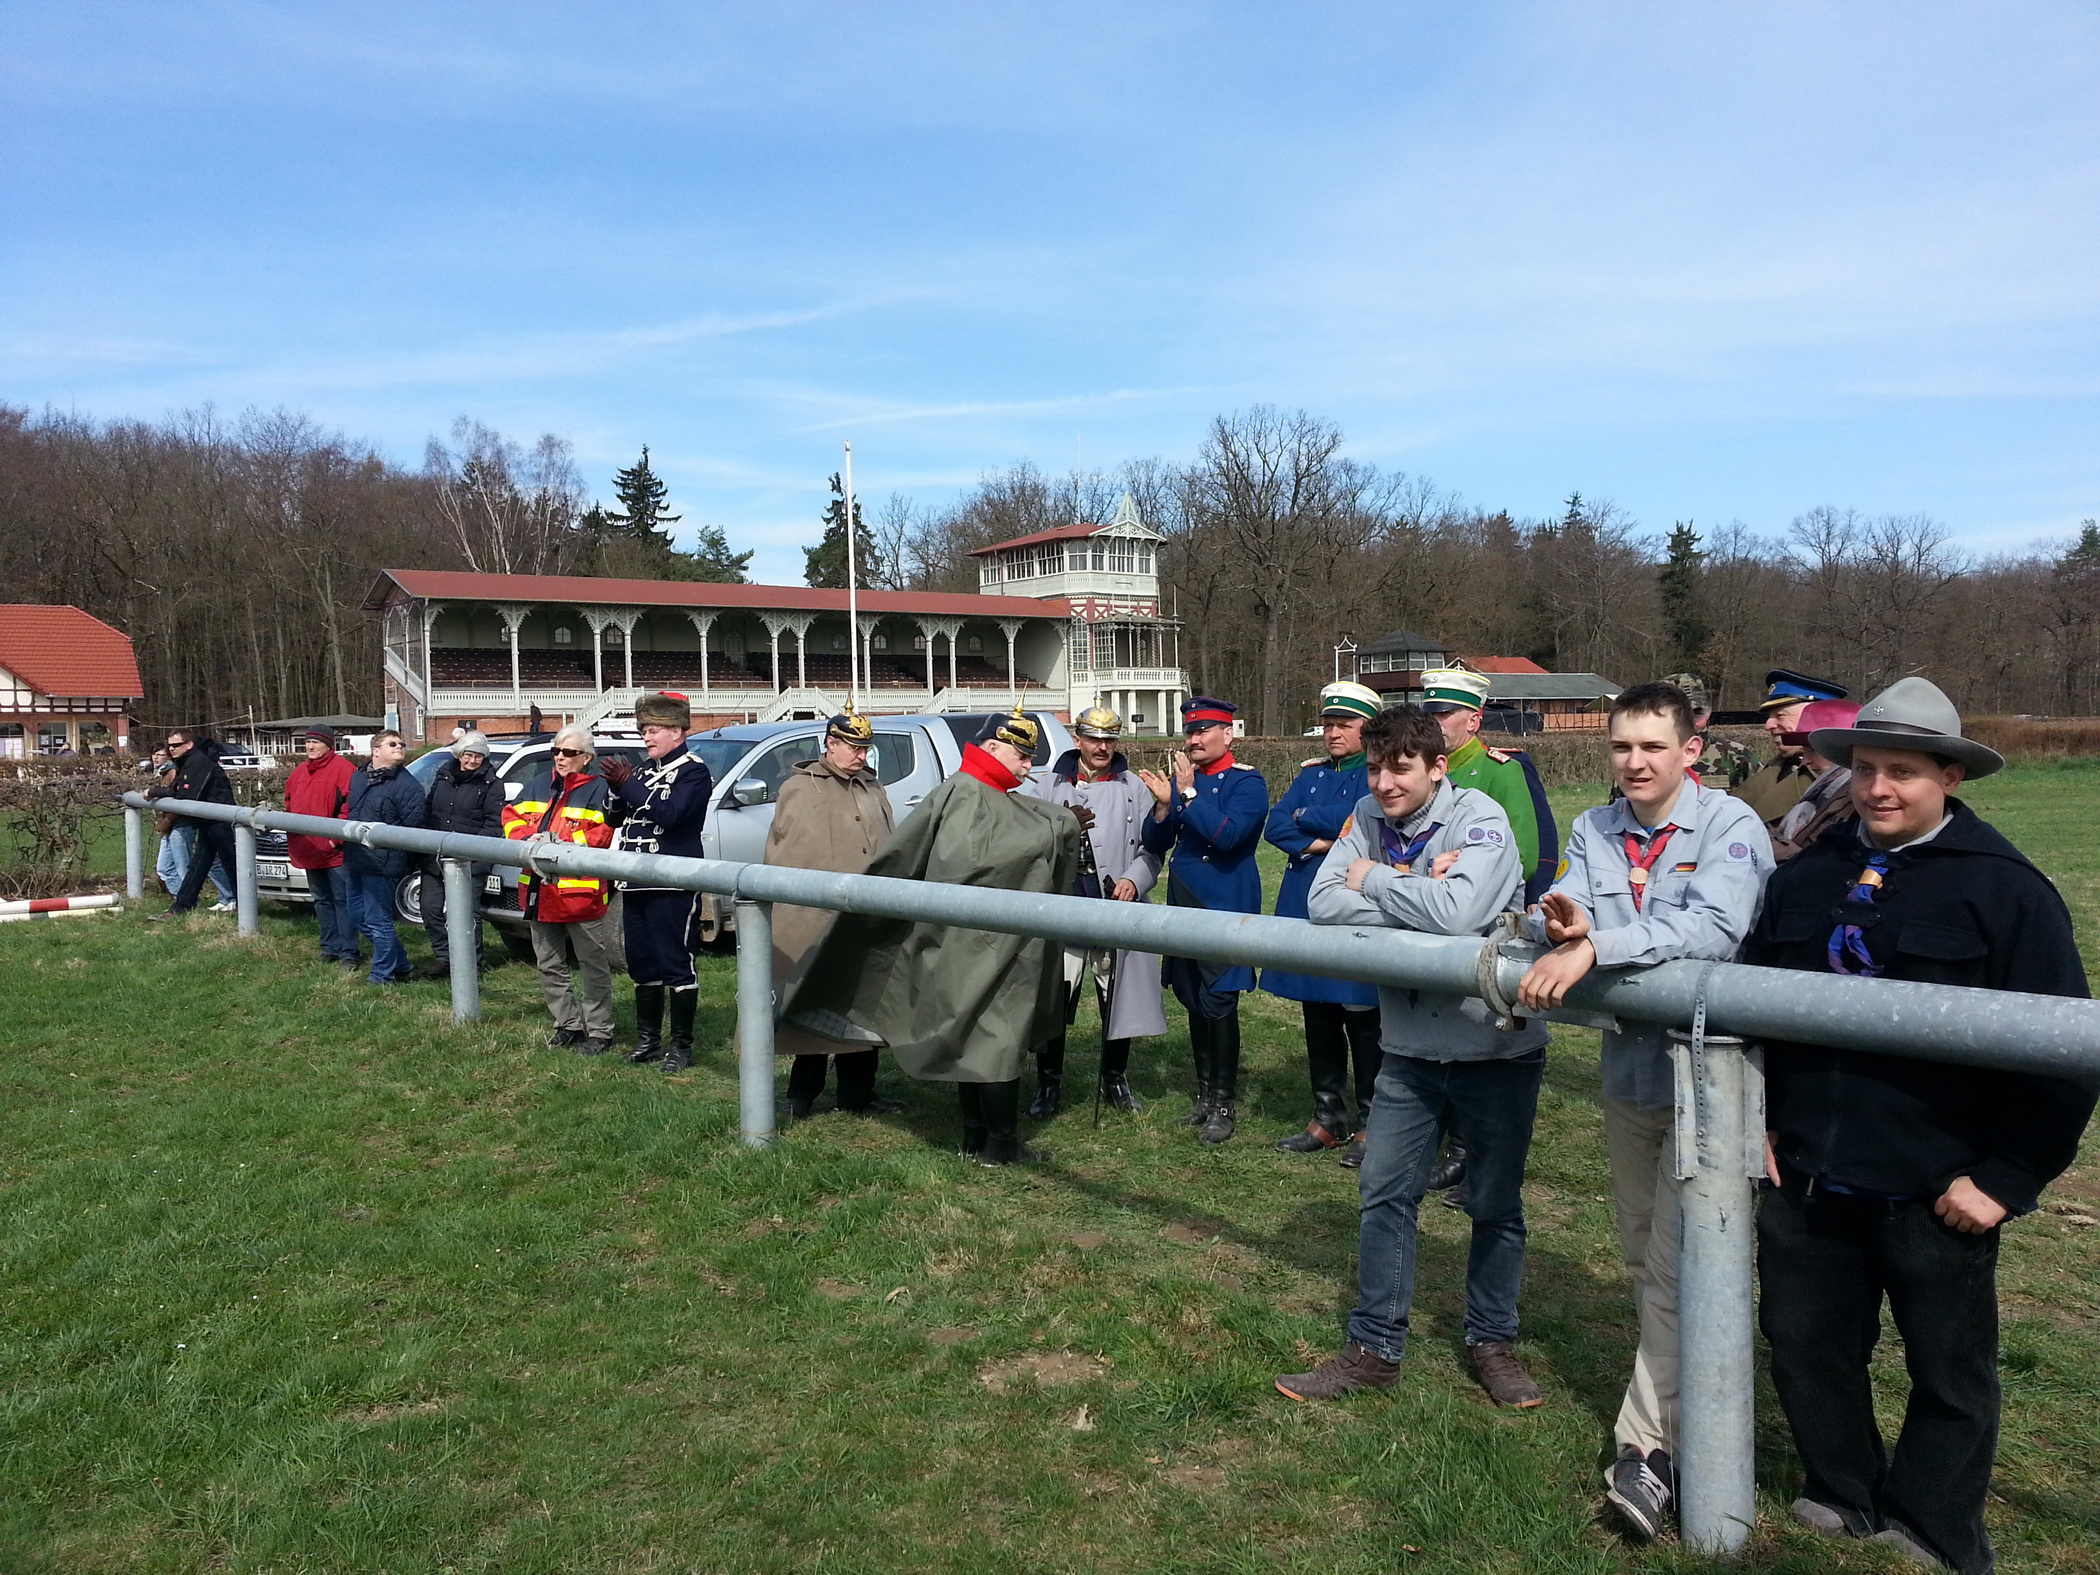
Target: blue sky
[1711, 262]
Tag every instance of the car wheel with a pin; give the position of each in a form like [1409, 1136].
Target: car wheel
[408, 899]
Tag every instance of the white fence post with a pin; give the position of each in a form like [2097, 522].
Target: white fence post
[134, 853]
[247, 909]
[462, 933]
[754, 1019]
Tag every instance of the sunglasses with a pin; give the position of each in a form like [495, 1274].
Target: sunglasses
[572, 751]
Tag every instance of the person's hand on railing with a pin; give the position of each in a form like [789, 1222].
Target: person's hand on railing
[1125, 891]
[1547, 982]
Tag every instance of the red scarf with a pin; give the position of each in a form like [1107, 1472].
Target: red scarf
[976, 763]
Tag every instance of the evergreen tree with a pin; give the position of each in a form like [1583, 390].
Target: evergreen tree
[1681, 583]
[711, 559]
[825, 565]
[642, 494]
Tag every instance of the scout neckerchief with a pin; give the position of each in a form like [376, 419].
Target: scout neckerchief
[1848, 940]
[1638, 863]
[1402, 854]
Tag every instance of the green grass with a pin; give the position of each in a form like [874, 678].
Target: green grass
[297, 1277]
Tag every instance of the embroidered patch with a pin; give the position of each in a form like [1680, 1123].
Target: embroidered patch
[1494, 836]
[1348, 825]
[1477, 834]
[1561, 871]
[1685, 868]
[1739, 850]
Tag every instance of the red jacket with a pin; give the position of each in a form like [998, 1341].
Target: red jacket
[571, 810]
[318, 787]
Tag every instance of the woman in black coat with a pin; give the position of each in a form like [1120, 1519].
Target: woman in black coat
[466, 798]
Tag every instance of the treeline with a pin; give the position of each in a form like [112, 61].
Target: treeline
[236, 556]
[1280, 544]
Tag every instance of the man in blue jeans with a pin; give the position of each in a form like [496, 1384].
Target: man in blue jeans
[1419, 854]
[384, 793]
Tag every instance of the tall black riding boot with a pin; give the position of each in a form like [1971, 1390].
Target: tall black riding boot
[805, 1082]
[1327, 1061]
[970, 1097]
[1368, 1055]
[648, 1024]
[1224, 1078]
[857, 1096]
[1001, 1105]
[1049, 1080]
[678, 1054]
[1200, 1052]
[1115, 1076]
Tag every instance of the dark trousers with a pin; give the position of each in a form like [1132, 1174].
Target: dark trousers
[659, 930]
[1334, 1038]
[214, 842]
[1416, 1101]
[432, 901]
[1825, 1262]
[857, 1070]
[330, 889]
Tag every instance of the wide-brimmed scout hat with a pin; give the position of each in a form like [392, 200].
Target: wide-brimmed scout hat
[1454, 689]
[1019, 730]
[1348, 702]
[1097, 721]
[668, 709]
[1912, 713]
[850, 727]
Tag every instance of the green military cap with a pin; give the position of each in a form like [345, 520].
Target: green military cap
[1454, 689]
[1349, 702]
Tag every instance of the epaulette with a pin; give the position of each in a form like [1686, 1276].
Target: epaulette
[1241, 765]
[1501, 757]
[1305, 765]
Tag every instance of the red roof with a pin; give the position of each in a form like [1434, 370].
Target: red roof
[63, 651]
[1502, 664]
[1062, 533]
[448, 585]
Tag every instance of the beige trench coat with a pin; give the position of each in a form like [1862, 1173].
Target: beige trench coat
[821, 821]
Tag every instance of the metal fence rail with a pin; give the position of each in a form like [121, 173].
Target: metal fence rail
[1720, 1113]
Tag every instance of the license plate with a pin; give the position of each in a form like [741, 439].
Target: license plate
[273, 869]
[493, 886]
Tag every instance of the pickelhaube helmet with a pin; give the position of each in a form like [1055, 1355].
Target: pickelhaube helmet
[850, 727]
[1019, 730]
[1097, 721]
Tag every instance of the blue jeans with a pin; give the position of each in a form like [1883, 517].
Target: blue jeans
[1493, 1103]
[333, 906]
[372, 900]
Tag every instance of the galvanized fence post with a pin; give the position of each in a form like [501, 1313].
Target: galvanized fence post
[754, 1019]
[134, 853]
[247, 909]
[463, 938]
[1720, 1146]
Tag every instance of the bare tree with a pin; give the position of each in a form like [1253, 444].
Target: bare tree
[507, 509]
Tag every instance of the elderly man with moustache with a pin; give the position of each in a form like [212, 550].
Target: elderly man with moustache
[1778, 786]
[1896, 1176]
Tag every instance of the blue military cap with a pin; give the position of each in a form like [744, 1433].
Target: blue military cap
[1200, 711]
[1785, 687]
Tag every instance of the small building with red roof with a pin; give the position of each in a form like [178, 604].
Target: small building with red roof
[68, 682]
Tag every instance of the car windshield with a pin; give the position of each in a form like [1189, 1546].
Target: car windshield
[719, 755]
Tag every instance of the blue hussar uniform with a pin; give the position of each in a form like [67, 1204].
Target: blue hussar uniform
[1209, 840]
[1341, 1015]
[664, 806]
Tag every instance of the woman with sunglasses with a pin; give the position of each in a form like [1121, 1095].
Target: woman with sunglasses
[571, 931]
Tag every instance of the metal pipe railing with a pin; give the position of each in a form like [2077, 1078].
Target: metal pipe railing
[1720, 1121]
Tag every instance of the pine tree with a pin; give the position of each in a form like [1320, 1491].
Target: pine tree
[642, 493]
[825, 563]
[711, 559]
[1681, 582]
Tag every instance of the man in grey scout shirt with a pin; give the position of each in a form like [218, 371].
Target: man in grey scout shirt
[1419, 854]
[1670, 870]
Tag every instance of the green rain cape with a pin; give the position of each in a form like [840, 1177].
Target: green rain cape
[953, 1005]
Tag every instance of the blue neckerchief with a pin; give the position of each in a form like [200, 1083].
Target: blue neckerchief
[1847, 940]
[1402, 855]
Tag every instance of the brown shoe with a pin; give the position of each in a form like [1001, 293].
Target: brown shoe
[1356, 1368]
[1495, 1364]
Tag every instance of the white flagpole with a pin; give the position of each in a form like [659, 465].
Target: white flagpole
[853, 599]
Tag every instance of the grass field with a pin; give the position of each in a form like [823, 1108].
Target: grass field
[297, 1277]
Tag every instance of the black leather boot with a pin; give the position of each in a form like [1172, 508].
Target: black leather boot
[678, 1055]
[648, 1024]
[1224, 1079]
[857, 1096]
[1115, 1077]
[1327, 1062]
[1368, 1054]
[969, 1095]
[1451, 1169]
[1049, 1080]
[1199, 1052]
[806, 1076]
[1000, 1104]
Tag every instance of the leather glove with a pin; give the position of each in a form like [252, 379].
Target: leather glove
[1083, 815]
[616, 771]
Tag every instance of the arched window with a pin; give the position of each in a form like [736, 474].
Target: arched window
[562, 636]
[975, 643]
[881, 642]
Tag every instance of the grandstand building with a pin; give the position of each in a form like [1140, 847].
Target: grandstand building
[1067, 619]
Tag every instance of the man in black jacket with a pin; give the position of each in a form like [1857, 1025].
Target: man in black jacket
[198, 775]
[466, 798]
[382, 792]
[1894, 1174]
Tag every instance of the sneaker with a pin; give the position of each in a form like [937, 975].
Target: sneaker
[1495, 1365]
[1356, 1368]
[1821, 1517]
[225, 907]
[1641, 1490]
[563, 1038]
[1910, 1547]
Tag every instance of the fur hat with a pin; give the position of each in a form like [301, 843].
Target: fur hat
[667, 709]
